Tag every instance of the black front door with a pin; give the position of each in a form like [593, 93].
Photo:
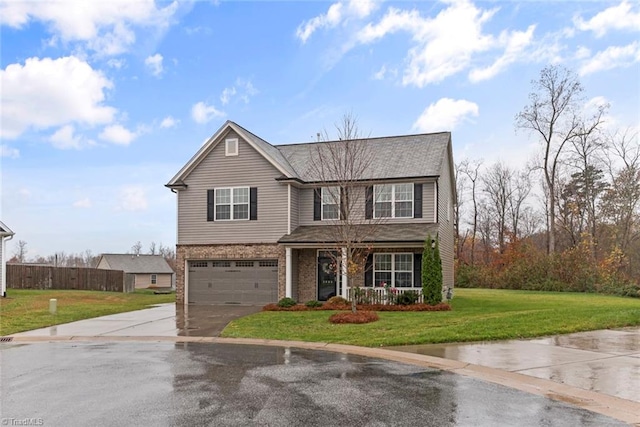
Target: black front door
[326, 277]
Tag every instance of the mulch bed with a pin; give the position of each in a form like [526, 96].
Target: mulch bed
[362, 307]
[349, 317]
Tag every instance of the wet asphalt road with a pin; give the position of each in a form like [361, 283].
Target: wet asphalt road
[197, 384]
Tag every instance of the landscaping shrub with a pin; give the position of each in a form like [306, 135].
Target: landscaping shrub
[406, 298]
[338, 301]
[362, 307]
[313, 304]
[287, 302]
[358, 317]
[431, 272]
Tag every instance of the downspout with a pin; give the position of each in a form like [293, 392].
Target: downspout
[4, 265]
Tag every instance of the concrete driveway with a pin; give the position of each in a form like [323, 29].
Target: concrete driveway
[198, 384]
[161, 321]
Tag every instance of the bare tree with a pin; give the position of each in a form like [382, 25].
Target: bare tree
[472, 169]
[497, 186]
[338, 168]
[152, 248]
[461, 186]
[521, 187]
[136, 248]
[20, 254]
[553, 114]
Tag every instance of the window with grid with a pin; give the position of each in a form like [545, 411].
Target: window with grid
[395, 270]
[199, 264]
[330, 202]
[244, 263]
[232, 203]
[154, 279]
[393, 201]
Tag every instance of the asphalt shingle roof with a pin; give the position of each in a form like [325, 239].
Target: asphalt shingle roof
[143, 264]
[405, 156]
[382, 233]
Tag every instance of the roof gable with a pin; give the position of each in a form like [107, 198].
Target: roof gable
[268, 151]
[5, 231]
[130, 263]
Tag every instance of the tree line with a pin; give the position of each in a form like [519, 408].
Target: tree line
[87, 258]
[570, 218]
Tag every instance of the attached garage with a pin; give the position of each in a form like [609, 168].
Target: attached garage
[233, 281]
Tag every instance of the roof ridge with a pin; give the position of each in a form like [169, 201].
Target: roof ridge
[360, 139]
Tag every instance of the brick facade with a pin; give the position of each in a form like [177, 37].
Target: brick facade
[209, 252]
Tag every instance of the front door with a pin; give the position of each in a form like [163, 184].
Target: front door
[327, 283]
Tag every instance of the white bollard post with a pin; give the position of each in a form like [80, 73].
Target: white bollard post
[53, 306]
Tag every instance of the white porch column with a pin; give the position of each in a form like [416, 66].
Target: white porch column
[288, 281]
[343, 270]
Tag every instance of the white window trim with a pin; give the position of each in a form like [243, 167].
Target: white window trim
[227, 143]
[393, 269]
[154, 279]
[393, 200]
[322, 204]
[231, 204]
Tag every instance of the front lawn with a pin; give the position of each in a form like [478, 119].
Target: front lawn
[477, 315]
[26, 309]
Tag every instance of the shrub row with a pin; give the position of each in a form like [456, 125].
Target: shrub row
[360, 307]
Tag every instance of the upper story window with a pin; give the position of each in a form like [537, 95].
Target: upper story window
[330, 202]
[393, 201]
[231, 147]
[232, 203]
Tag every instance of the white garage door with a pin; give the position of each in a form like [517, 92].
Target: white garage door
[233, 282]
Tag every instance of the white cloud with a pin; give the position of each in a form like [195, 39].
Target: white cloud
[243, 88]
[379, 75]
[169, 122]
[82, 203]
[515, 43]
[445, 115]
[612, 57]
[46, 92]
[336, 14]
[6, 151]
[103, 26]
[118, 134]
[132, 198]
[154, 64]
[444, 45]
[64, 138]
[621, 17]
[226, 95]
[116, 63]
[203, 113]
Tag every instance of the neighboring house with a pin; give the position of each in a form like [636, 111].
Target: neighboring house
[251, 225]
[146, 271]
[5, 235]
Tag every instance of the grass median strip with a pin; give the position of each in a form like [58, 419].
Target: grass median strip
[477, 315]
[26, 309]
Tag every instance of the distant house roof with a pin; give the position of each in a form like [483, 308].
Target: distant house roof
[5, 231]
[143, 264]
[405, 156]
[379, 233]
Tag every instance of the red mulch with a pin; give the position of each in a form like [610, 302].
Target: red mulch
[362, 307]
[358, 317]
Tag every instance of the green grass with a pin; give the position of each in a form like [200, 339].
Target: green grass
[25, 309]
[477, 315]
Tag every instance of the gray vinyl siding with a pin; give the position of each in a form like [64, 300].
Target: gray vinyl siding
[295, 204]
[248, 169]
[143, 280]
[445, 218]
[428, 206]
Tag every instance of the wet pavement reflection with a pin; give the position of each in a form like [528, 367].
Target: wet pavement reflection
[147, 383]
[606, 361]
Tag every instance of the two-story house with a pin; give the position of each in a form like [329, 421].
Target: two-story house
[252, 219]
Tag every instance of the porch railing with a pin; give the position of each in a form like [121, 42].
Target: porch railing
[380, 295]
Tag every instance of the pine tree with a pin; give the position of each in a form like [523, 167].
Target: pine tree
[431, 272]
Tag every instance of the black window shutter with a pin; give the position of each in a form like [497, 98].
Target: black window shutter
[317, 204]
[417, 200]
[417, 270]
[210, 203]
[253, 203]
[368, 271]
[369, 203]
[344, 203]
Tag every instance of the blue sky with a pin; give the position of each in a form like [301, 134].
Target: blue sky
[103, 102]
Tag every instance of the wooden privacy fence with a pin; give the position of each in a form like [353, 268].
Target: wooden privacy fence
[21, 276]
